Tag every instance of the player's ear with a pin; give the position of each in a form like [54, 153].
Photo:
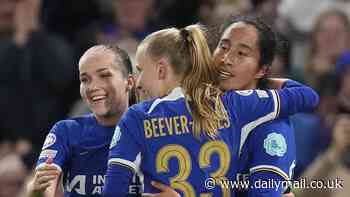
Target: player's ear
[130, 82]
[162, 68]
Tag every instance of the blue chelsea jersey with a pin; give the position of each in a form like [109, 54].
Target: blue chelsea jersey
[158, 133]
[269, 150]
[79, 148]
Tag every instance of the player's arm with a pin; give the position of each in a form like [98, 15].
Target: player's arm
[255, 107]
[118, 179]
[125, 149]
[279, 83]
[295, 97]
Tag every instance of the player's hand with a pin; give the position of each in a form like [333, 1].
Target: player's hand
[166, 191]
[43, 178]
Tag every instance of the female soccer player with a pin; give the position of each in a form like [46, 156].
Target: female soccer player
[191, 132]
[246, 50]
[78, 148]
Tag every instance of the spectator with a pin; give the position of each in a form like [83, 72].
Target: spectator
[131, 24]
[329, 39]
[37, 73]
[333, 164]
[313, 130]
[12, 175]
[267, 9]
[343, 71]
[298, 17]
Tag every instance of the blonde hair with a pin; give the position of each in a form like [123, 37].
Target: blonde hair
[189, 55]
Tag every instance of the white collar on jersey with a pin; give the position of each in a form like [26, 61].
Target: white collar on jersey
[175, 94]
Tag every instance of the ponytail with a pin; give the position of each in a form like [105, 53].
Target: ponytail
[207, 108]
[189, 55]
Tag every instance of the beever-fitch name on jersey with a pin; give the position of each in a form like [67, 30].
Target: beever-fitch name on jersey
[167, 126]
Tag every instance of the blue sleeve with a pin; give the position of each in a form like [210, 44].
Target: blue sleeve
[118, 179]
[254, 107]
[291, 83]
[56, 146]
[296, 99]
[260, 185]
[272, 149]
[125, 153]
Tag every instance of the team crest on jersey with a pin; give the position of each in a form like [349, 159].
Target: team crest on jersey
[50, 140]
[245, 92]
[275, 144]
[116, 137]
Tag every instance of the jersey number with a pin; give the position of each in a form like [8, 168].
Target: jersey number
[184, 159]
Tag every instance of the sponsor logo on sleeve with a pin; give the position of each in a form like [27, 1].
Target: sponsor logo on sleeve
[50, 140]
[116, 137]
[275, 144]
[48, 153]
[244, 92]
[262, 94]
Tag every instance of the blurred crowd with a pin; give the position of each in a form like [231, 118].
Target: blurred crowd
[41, 40]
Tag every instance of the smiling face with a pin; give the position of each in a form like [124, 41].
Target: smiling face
[238, 54]
[102, 84]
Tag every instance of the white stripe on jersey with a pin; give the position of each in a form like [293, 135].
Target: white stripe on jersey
[270, 168]
[246, 129]
[137, 162]
[124, 162]
[175, 94]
